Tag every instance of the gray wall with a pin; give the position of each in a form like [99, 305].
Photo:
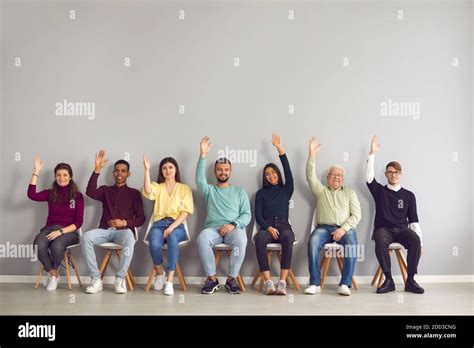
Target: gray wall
[283, 62]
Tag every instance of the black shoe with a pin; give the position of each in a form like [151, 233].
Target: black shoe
[210, 286]
[231, 286]
[413, 286]
[387, 286]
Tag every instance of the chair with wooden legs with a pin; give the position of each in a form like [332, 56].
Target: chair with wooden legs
[218, 249]
[379, 276]
[68, 261]
[110, 249]
[271, 249]
[331, 250]
[178, 272]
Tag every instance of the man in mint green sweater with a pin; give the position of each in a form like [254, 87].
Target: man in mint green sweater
[228, 212]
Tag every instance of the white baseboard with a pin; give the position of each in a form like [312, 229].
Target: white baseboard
[468, 278]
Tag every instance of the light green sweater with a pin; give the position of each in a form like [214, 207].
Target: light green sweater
[340, 207]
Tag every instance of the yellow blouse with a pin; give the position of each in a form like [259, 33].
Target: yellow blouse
[170, 205]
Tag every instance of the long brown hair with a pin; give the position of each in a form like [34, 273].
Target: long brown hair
[165, 160]
[72, 187]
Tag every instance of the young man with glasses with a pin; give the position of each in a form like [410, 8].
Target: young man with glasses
[396, 220]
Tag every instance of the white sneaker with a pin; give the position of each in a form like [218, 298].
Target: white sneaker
[159, 281]
[312, 289]
[120, 286]
[344, 290]
[47, 281]
[95, 286]
[168, 289]
[53, 283]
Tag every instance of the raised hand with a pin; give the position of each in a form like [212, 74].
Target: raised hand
[374, 146]
[276, 141]
[38, 165]
[146, 163]
[314, 147]
[100, 161]
[205, 146]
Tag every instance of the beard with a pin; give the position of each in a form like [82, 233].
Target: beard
[222, 180]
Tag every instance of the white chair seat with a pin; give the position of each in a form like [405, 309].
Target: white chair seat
[332, 246]
[73, 246]
[222, 246]
[111, 246]
[277, 246]
[395, 246]
[165, 246]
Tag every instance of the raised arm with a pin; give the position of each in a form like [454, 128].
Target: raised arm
[32, 194]
[370, 170]
[92, 190]
[201, 180]
[314, 184]
[146, 179]
[289, 186]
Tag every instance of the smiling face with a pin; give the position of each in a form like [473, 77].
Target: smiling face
[222, 172]
[62, 177]
[335, 178]
[272, 176]
[121, 174]
[393, 175]
[168, 170]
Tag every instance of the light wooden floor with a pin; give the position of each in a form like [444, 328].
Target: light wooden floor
[439, 298]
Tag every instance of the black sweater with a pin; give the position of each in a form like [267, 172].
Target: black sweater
[393, 209]
[273, 201]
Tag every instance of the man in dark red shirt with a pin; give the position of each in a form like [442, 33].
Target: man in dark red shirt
[122, 212]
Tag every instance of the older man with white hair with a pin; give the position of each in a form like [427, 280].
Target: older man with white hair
[337, 214]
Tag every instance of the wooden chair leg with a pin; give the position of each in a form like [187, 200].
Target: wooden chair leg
[150, 279]
[132, 278]
[105, 263]
[240, 281]
[179, 274]
[217, 257]
[68, 274]
[324, 270]
[40, 274]
[269, 256]
[74, 267]
[376, 275]
[257, 276]
[400, 264]
[381, 278]
[127, 274]
[293, 279]
[340, 263]
[260, 284]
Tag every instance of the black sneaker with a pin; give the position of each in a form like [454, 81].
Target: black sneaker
[210, 286]
[231, 286]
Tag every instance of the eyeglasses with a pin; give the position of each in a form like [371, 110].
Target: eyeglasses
[391, 172]
[336, 175]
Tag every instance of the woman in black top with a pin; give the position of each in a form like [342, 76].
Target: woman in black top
[271, 213]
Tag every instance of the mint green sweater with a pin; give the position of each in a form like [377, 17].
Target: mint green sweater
[224, 204]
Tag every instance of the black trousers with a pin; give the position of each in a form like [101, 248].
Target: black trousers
[406, 237]
[286, 239]
[57, 247]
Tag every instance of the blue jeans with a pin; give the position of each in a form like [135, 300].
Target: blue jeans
[156, 239]
[99, 236]
[322, 235]
[209, 237]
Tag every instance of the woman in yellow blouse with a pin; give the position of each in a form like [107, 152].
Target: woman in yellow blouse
[173, 203]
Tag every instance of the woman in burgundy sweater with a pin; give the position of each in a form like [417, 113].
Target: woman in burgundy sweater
[65, 216]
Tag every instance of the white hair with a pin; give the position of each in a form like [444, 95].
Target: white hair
[337, 167]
